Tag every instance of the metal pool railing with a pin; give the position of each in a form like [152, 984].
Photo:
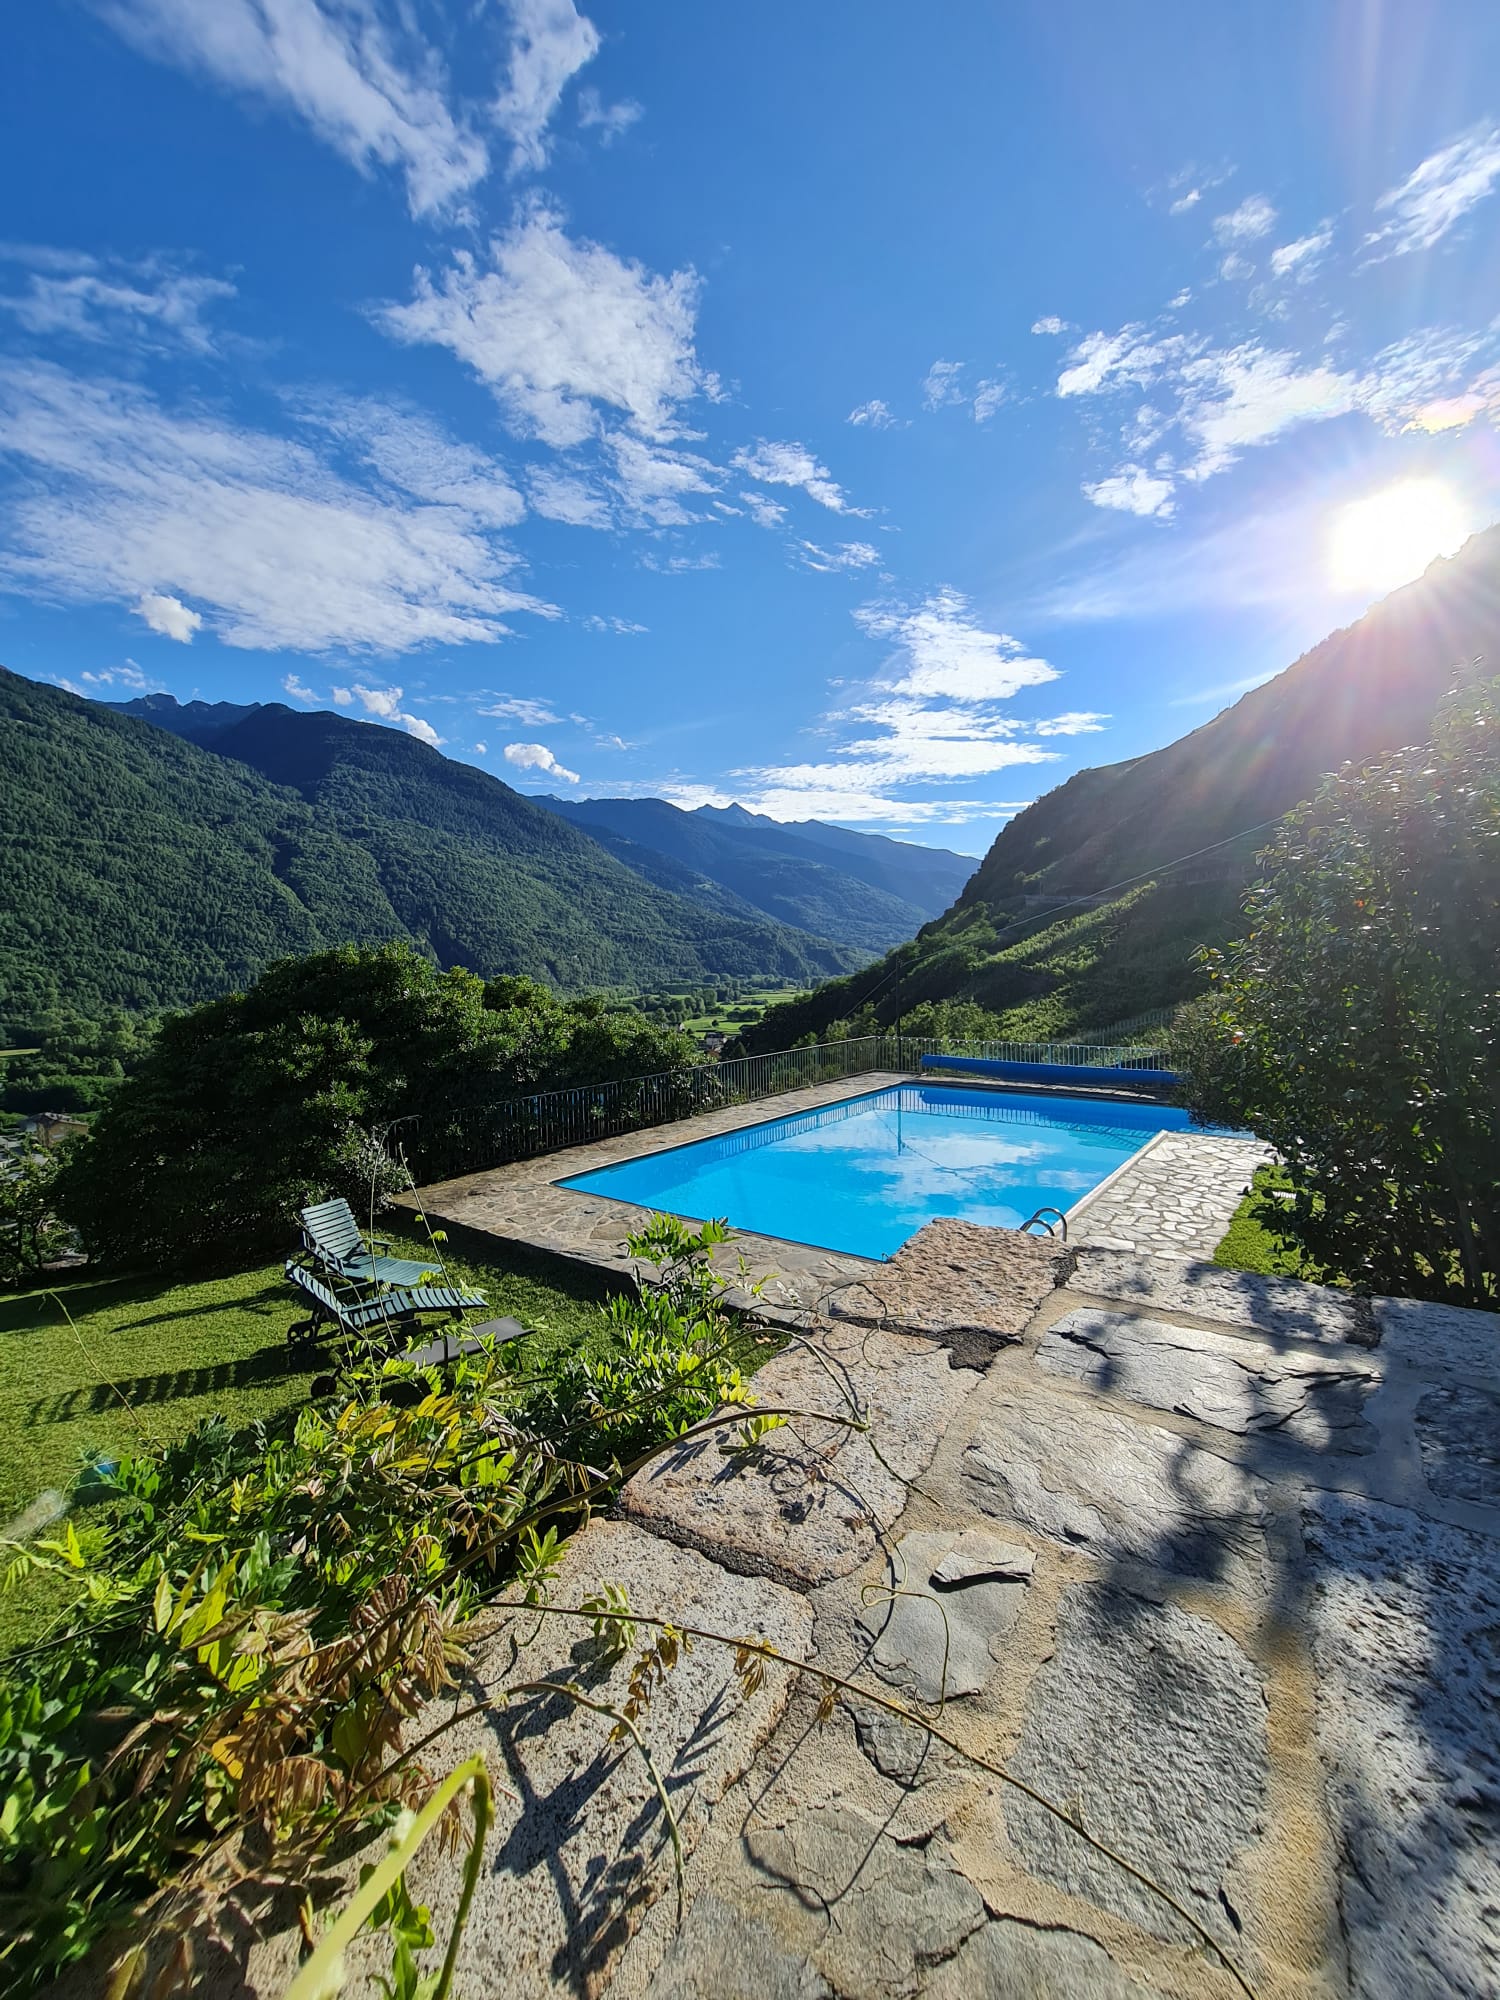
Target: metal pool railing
[466, 1139]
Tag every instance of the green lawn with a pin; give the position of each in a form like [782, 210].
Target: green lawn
[1248, 1245]
[147, 1361]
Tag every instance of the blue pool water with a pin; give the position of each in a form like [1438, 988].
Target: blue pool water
[865, 1174]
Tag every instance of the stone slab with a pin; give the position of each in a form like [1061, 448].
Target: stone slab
[721, 1951]
[958, 1595]
[1149, 1725]
[1448, 1340]
[1175, 1198]
[1404, 1615]
[579, 1855]
[1458, 1432]
[1281, 1309]
[809, 1502]
[1008, 1960]
[1236, 1385]
[876, 1913]
[958, 1278]
[1090, 1479]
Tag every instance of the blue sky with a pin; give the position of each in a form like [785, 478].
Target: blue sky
[859, 410]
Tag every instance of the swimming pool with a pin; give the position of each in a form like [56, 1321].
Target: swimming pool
[865, 1174]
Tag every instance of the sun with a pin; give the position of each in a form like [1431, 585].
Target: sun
[1389, 538]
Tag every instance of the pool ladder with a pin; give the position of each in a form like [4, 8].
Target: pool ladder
[1050, 1227]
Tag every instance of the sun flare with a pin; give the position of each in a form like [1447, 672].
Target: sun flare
[1390, 537]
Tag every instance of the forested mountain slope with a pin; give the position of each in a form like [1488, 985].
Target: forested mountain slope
[1136, 830]
[862, 889]
[139, 869]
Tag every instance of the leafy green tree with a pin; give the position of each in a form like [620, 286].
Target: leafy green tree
[30, 1229]
[1356, 1024]
[247, 1106]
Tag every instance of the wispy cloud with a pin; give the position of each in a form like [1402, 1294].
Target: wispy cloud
[1302, 257]
[681, 565]
[1254, 218]
[521, 708]
[791, 464]
[1076, 722]
[1049, 323]
[940, 385]
[623, 626]
[361, 76]
[763, 512]
[560, 329]
[537, 757]
[610, 121]
[1438, 194]
[876, 414]
[550, 41]
[1133, 490]
[847, 556]
[261, 537]
[146, 302]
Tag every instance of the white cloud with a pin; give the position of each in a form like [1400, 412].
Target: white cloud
[1248, 395]
[847, 556]
[940, 385]
[368, 86]
[942, 650]
[793, 465]
[69, 293]
[874, 413]
[1077, 722]
[537, 757]
[1301, 258]
[129, 675]
[623, 626]
[1133, 490]
[342, 697]
[1179, 299]
[680, 565]
[1103, 361]
[568, 497]
[1254, 218]
[556, 327]
[1435, 379]
[416, 456]
[1049, 323]
[385, 703]
[292, 686]
[1438, 193]
[987, 399]
[480, 749]
[550, 42]
[1186, 201]
[167, 615]
[522, 708]
[134, 503]
[651, 481]
[765, 513]
[608, 120]
[1234, 266]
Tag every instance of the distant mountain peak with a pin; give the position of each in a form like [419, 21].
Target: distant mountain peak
[198, 721]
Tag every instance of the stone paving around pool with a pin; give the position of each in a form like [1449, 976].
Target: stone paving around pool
[1173, 1198]
[1209, 1563]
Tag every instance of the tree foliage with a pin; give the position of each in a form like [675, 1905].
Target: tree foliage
[1356, 1023]
[246, 1107]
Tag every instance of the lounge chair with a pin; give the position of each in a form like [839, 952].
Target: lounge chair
[333, 1236]
[395, 1312]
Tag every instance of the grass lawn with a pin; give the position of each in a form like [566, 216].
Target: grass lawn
[1249, 1246]
[143, 1361]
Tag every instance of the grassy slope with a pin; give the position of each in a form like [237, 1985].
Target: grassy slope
[181, 1353]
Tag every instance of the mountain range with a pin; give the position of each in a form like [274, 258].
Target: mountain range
[164, 852]
[1092, 903]
[141, 868]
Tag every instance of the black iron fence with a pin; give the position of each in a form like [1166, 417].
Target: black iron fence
[468, 1139]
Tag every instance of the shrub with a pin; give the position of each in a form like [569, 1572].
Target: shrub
[1355, 1026]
